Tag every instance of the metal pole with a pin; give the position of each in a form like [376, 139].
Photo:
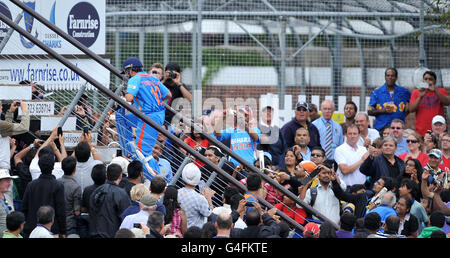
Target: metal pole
[197, 94]
[72, 105]
[226, 34]
[10, 32]
[165, 40]
[315, 14]
[392, 44]
[282, 78]
[422, 55]
[106, 110]
[338, 58]
[117, 53]
[213, 175]
[194, 61]
[150, 122]
[141, 45]
[362, 65]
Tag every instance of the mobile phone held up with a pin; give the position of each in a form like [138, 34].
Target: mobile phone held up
[423, 85]
[60, 132]
[85, 130]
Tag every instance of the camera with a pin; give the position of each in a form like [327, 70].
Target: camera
[249, 204]
[18, 104]
[118, 153]
[436, 182]
[172, 75]
[137, 225]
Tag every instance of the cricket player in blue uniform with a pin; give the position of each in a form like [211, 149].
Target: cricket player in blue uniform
[147, 94]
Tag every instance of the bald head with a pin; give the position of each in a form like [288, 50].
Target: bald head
[327, 108]
[224, 221]
[388, 199]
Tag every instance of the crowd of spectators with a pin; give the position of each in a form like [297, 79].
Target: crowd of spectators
[380, 181]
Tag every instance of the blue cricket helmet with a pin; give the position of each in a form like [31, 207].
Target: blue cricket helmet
[132, 62]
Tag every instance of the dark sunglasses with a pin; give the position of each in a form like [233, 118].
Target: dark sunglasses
[302, 109]
[412, 141]
[398, 128]
[316, 155]
[154, 72]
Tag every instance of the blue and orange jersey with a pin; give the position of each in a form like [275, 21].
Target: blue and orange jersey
[148, 92]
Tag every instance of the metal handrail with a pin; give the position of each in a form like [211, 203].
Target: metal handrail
[140, 115]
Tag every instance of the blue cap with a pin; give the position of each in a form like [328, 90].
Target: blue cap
[131, 63]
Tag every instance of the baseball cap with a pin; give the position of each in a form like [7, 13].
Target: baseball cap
[311, 230]
[312, 107]
[4, 173]
[191, 174]
[309, 166]
[148, 200]
[438, 119]
[122, 162]
[131, 63]
[302, 104]
[435, 152]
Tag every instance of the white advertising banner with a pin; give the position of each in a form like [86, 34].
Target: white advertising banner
[48, 123]
[52, 74]
[40, 108]
[8, 92]
[73, 138]
[83, 20]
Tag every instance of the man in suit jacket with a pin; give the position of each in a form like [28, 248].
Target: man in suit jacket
[386, 164]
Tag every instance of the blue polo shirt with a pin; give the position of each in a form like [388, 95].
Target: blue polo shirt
[380, 98]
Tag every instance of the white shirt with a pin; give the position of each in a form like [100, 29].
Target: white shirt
[240, 224]
[83, 173]
[35, 170]
[128, 221]
[326, 203]
[372, 134]
[4, 152]
[41, 232]
[345, 154]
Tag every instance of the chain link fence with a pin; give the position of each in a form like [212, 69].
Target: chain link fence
[309, 50]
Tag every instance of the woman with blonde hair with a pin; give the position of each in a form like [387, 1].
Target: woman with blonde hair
[415, 144]
[136, 194]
